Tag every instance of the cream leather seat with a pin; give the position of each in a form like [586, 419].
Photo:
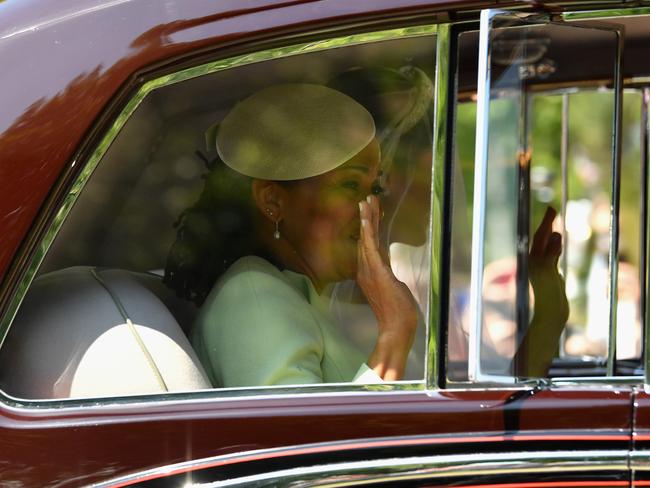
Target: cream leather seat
[86, 332]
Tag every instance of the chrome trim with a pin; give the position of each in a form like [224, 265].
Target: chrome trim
[475, 373]
[604, 14]
[522, 303]
[330, 390]
[598, 382]
[403, 469]
[640, 460]
[560, 88]
[564, 158]
[616, 202]
[480, 192]
[440, 141]
[564, 164]
[101, 149]
[480, 198]
[613, 382]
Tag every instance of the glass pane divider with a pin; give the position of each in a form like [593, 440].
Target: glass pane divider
[474, 372]
[645, 226]
[440, 141]
[564, 160]
[615, 205]
[523, 222]
[480, 198]
[564, 165]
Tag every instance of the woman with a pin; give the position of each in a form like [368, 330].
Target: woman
[400, 102]
[312, 163]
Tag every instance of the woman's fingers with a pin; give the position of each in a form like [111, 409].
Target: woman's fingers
[373, 204]
[368, 242]
[543, 234]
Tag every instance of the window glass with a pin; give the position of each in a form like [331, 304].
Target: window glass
[569, 108]
[584, 261]
[583, 264]
[263, 225]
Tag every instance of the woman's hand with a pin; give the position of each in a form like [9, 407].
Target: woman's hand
[390, 299]
[551, 305]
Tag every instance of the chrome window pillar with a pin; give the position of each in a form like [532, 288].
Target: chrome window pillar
[564, 162]
[480, 198]
[616, 204]
[475, 373]
[523, 215]
[435, 352]
[564, 166]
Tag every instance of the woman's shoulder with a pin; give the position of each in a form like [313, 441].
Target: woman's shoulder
[253, 292]
[252, 277]
[252, 271]
[252, 264]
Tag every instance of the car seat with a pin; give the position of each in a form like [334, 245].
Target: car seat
[90, 332]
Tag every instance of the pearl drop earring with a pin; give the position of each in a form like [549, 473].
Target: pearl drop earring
[276, 234]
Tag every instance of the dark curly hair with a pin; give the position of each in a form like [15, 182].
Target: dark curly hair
[213, 233]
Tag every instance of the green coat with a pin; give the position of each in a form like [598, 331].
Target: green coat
[262, 326]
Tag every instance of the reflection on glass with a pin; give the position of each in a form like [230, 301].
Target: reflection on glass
[588, 219]
[524, 180]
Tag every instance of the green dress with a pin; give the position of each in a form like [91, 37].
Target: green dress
[262, 326]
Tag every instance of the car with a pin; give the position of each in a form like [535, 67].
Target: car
[107, 140]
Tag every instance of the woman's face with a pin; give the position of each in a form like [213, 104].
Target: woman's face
[321, 216]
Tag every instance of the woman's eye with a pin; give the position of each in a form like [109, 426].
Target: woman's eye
[351, 185]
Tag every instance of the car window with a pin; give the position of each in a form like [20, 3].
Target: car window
[551, 157]
[255, 222]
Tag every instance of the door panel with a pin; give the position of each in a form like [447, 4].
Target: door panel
[507, 437]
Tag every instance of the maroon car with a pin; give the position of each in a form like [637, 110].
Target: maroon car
[107, 117]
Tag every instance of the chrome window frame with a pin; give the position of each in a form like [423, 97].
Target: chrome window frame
[641, 85]
[429, 380]
[475, 374]
[611, 15]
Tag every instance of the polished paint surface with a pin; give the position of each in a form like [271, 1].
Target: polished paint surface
[95, 443]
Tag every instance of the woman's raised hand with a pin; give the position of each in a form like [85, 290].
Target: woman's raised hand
[551, 305]
[390, 299]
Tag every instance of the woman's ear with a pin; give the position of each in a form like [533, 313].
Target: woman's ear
[270, 199]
